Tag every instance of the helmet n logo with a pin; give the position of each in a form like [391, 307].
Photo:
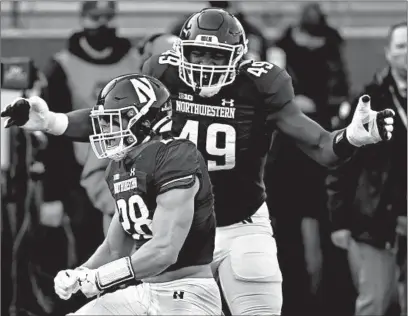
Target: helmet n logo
[145, 92]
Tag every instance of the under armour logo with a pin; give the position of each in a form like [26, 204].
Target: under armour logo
[132, 172]
[229, 102]
[178, 294]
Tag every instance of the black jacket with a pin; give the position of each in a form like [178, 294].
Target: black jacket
[367, 194]
[317, 69]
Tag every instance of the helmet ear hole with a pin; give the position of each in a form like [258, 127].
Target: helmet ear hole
[131, 113]
[130, 140]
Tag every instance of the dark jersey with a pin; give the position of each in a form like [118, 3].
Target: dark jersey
[152, 169]
[230, 129]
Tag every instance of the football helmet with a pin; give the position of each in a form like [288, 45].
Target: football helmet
[130, 110]
[212, 29]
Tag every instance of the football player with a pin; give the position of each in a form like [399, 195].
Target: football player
[230, 107]
[164, 228]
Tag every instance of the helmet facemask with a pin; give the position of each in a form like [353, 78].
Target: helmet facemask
[112, 135]
[208, 79]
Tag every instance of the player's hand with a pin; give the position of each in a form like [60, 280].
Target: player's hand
[31, 114]
[66, 283]
[87, 280]
[368, 126]
[341, 238]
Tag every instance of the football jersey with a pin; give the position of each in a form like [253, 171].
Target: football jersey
[230, 129]
[152, 169]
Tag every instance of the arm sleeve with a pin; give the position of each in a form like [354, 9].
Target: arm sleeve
[176, 166]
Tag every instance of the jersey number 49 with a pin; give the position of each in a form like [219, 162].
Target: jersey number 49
[213, 132]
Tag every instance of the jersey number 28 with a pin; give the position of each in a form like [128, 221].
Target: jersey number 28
[134, 216]
[214, 130]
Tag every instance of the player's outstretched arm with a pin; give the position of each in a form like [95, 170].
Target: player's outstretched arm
[329, 149]
[33, 114]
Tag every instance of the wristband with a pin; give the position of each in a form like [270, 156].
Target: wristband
[114, 273]
[341, 145]
[57, 123]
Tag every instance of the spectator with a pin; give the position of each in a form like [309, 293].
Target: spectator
[257, 43]
[368, 196]
[75, 76]
[312, 49]
[93, 175]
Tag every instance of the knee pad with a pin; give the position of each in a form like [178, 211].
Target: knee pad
[254, 259]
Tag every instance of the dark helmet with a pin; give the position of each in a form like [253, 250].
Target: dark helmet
[211, 29]
[129, 111]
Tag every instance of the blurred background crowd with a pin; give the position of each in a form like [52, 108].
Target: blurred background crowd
[341, 234]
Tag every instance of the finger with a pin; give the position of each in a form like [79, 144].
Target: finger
[10, 122]
[389, 128]
[389, 135]
[18, 112]
[61, 285]
[383, 128]
[69, 282]
[364, 102]
[61, 293]
[389, 120]
[6, 111]
[64, 281]
[9, 108]
[385, 113]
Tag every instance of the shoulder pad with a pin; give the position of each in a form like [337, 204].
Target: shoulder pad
[262, 73]
[176, 159]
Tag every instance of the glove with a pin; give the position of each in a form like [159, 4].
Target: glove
[33, 114]
[368, 126]
[66, 283]
[87, 281]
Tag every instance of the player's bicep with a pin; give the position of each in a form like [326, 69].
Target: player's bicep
[173, 217]
[307, 134]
